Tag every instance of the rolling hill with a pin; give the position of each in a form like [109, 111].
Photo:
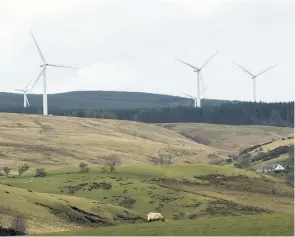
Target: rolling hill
[182, 193]
[70, 202]
[227, 137]
[54, 141]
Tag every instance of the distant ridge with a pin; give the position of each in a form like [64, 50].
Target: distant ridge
[104, 100]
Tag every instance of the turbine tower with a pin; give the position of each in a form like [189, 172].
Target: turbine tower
[25, 90]
[198, 71]
[43, 71]
[254, 77]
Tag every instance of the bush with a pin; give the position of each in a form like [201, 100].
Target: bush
[112, 163]
[40, 173]
[19, 223]
[84, 168]
[6, 171]
[22, 169]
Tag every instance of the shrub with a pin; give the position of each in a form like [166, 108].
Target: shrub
[40, 173]
[22, 169]
[112, 163]
[84, 168]
[19, 223]
[6, 170]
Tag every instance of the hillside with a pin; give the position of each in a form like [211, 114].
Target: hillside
[102, 100]
[54, 141]
[230, 138]
[70, 200]
[262, 225]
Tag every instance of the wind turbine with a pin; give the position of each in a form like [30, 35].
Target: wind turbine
[194, 98]
[43, 71]
[254, 77]
[198, 71]
[25, 90]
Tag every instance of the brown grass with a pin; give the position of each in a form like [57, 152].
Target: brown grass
[49, 142]
[229, 138]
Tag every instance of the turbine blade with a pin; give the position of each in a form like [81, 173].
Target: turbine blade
[266, 70]
[37, 79]
[209, 59]
[19, 90]
[26, 87]
[244, 69]
[39, 50]
[187, 95]
[187, 64]
[27, 101]
[55, 65]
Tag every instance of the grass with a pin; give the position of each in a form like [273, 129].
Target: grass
[141, 190]
[267, 225]
[48, 212]
[229, 138]
[53, 141]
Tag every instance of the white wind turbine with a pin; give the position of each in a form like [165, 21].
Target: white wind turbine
[254, 77]
[25, 90]
[43, 71]
[194, 98]
[198, 71]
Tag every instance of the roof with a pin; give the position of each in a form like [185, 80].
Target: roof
[269, 167]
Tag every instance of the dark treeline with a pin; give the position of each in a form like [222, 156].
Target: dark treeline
[244, 113]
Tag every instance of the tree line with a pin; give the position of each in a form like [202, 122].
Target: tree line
[242, 113]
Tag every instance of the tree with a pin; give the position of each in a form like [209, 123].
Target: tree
[6, 170]
[112, 163]
[83, 168]
[22, 169]
[40, 172]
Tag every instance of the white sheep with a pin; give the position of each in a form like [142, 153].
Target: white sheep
[154, 216]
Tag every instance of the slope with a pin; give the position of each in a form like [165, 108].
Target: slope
[227, 137]
[50, 212]
[259, 225]
[179, 192]
[55, 141]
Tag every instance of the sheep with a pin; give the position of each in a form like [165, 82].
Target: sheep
[153, 216]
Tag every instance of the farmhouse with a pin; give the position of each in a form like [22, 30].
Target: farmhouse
[270, 168]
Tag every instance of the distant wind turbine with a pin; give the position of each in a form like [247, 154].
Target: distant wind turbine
[25, 90]
[198, 71]
[254, 77]
[194, 98]
[43, 71]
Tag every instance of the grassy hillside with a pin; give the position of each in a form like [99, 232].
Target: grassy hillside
[179, 192]
[230, 138]
[263, 225]
[49, 212]
[102, 100]
[53, 141]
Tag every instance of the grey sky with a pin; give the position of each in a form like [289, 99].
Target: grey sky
[129, 45]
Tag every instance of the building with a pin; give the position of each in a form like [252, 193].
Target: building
[270, 168]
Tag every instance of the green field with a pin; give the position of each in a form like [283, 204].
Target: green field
[179, 192]
[267, 225]
[196, 198]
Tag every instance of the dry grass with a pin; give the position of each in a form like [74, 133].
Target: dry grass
[50, 142]
[227, 137]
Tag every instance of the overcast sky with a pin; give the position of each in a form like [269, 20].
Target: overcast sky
[129, 45]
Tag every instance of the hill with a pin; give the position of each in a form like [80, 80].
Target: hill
[182, 193]
[52, 141]
[102, 100]
[230, 138]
